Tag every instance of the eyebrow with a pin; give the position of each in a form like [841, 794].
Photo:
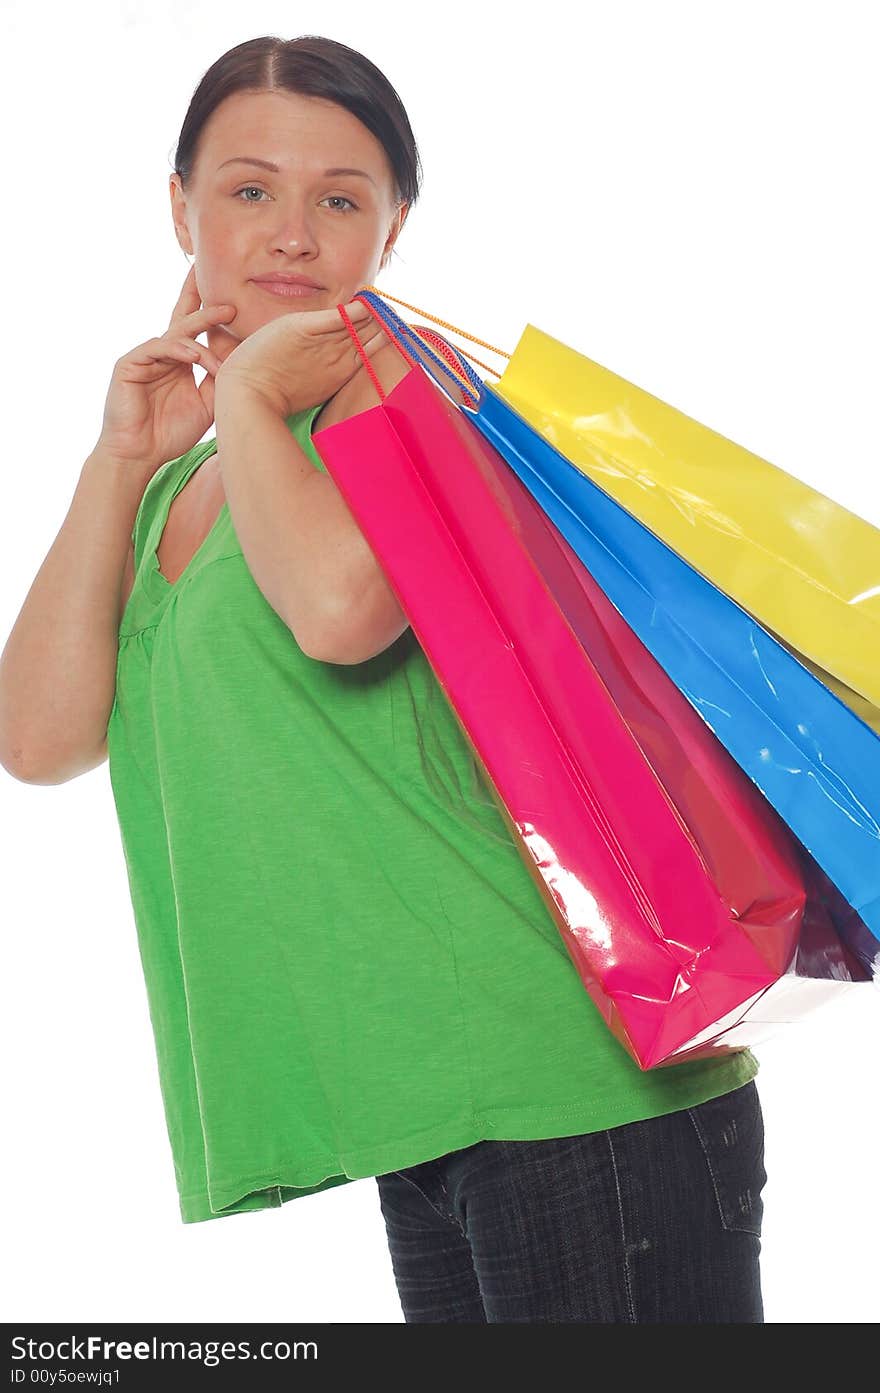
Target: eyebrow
[267, 164]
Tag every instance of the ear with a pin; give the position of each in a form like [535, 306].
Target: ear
[178, 213]
[401, 217]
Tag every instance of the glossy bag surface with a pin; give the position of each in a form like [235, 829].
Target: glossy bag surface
[814, 760]
[803, 565]
[631, 879]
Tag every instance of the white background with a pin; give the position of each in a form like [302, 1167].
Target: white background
[683, 192]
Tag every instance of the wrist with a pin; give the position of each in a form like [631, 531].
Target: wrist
[105, 461]
[234, 384]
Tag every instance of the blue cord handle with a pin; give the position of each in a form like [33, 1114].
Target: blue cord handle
[420, 350]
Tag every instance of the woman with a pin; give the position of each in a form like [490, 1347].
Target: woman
[350, 971]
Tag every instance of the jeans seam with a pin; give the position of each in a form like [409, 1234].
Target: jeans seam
[623, 1245]
[449, 1216]
[728, 1220]
[719, 1204]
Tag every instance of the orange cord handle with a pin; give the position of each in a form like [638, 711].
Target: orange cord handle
[383, 294]
[421, 331]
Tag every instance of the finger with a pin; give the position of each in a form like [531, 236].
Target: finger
[356, 310]
[366, 328]
[210, 314]
[332, 322]
[375, 341]
[189, 298]
[162, 351]
[203, 355]
[363, 317]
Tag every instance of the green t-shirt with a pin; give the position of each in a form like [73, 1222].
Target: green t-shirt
[348, 965]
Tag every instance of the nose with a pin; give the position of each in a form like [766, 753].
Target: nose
[293, 233]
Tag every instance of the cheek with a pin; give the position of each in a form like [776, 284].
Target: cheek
[357, 252]
[223, 237]
[224, 264]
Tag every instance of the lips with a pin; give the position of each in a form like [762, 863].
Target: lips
[288, 290]
[287, 280]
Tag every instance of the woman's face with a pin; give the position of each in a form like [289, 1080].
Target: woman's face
[242, 220]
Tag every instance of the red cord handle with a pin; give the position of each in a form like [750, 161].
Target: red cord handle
[439, 344]
[362, 351]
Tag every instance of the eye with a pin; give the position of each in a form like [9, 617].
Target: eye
[336, 198]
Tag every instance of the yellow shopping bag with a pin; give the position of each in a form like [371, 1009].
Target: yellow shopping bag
[804, 566]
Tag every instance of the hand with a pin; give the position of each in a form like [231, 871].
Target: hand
[154, 411]
[302, 358]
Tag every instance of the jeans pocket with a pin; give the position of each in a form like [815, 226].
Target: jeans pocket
[731, 1133]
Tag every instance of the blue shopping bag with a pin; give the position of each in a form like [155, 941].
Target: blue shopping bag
[810, 755]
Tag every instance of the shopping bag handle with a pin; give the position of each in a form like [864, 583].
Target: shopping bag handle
[398, 331]
[444, 324]
[420, 338]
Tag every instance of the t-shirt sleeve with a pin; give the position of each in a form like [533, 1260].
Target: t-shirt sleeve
[300, 426]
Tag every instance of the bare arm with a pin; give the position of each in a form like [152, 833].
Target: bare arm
[298, 536]
[58, 667]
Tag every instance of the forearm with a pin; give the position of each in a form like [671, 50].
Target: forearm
[58, 668]
[294, 527]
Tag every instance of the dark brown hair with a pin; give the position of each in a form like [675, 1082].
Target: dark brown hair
[314, 67]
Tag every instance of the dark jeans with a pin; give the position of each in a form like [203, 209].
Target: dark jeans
[654, 1221]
